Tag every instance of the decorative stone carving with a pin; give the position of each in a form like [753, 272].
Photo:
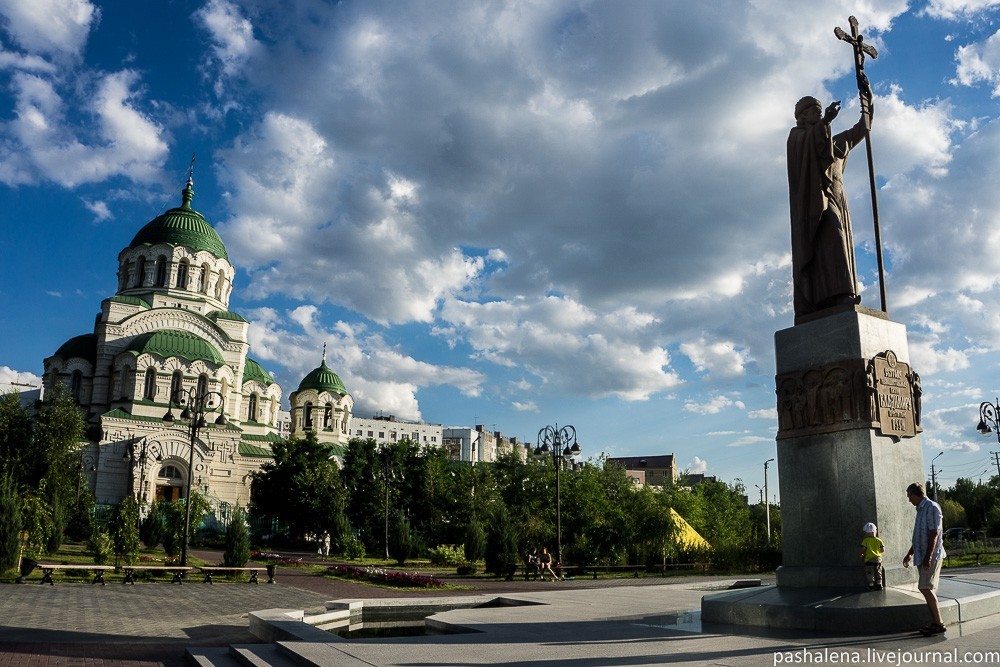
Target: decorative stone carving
[881, 394]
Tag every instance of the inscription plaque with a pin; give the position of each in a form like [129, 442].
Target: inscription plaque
[894, 395]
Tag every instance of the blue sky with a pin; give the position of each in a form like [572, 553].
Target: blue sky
[515, 213]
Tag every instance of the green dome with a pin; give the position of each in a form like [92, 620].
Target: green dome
[81, 347]
[323, 379]
[182, 226]
[167, 343]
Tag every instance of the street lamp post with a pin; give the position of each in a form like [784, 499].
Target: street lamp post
[989, 418]
[139, 459]
[388, 474]
[562, 445]
[194, 405]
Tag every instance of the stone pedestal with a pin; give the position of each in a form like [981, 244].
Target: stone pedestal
[836, 469]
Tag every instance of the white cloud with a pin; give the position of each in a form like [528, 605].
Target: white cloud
[99, 209]
[570, 347]
[11, 379]
[525, 406]
[714, 405]
[232, 36]
[697, 466]
[719, 358]
[48, 145]
[56, 28]
[378, 376]
[953, 9]
[980, 63]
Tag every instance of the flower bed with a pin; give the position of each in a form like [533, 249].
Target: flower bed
[381, 575]
[277, 559]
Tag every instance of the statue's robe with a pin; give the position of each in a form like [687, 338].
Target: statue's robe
[823, 267]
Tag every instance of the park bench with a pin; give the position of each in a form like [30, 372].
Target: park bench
[177, 570]
[208, 571]
[48, 568]
[637, 569]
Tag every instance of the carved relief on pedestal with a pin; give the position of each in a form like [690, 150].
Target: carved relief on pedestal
[882, 393]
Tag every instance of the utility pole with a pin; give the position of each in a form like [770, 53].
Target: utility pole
[934, 478]
[767, 506]
[996, 459]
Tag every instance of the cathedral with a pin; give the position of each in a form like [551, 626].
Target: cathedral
[172, 399]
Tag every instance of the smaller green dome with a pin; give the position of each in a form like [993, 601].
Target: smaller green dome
[79, 347]
[183, 227]
[323, 379]
[254, 371]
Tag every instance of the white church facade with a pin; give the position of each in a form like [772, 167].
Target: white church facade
[167, 341]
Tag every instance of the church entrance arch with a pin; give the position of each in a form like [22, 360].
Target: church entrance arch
[171, 480]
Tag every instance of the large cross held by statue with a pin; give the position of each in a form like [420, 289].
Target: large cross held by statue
[857, 41]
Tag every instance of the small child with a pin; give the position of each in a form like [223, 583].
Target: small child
[872, 549]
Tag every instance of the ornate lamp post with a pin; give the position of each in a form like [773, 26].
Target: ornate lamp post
[561, 444]
[388, 475]
[195, 405]
[989, 418]
[137, 452]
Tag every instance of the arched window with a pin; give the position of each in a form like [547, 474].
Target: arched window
[161, 271]
[182, 274]
[140, 271]
[225, 395]
[149, 385]
[273, 412]
[202, 384]
[327, 415]
[206, 273]
[252, 408]
[307, 419]
[218, 284]
[76, 385]
[176, 384]
[126, 381]
[123, 275]
[170, 472]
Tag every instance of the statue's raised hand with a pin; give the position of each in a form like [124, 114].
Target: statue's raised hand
[831, 112]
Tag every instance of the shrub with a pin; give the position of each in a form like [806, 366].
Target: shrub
[447, 554]
[10, 525]
[350, 546]
[475, 541]
[125, 531]
[401, 546]
[151, 530]
[237, 540]
[383, 576]
[55, 537]
[99, 546]
[81, 520]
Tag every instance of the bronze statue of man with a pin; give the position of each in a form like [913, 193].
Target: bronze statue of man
[823, 268]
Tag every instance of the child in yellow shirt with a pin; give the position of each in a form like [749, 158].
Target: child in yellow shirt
[872, 549]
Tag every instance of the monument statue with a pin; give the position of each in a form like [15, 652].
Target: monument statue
[823, 269]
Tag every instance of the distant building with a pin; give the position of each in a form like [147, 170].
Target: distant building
[477, 445]
[390, 429]
[692, 480]
[658, 470]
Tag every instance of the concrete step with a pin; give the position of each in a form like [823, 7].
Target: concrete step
[262, 655]
[210, 656]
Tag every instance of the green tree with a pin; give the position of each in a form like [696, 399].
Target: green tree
[401, 542]
[237, 540]
[501, 545]
[475, 541]
[10, 524]
[301, 486]
[124, 532]
[173, 523]
[953, 513]
[151, 529]
[36, 521]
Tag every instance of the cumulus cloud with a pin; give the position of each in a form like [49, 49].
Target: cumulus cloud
[952, 9]
[55, 28]
[378, 376]
[720, 358]
[980, 63]
[44, 143]
[15, 380]
[713, 405]
[697, 466]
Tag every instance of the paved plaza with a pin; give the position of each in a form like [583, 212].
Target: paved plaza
[581, 623]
